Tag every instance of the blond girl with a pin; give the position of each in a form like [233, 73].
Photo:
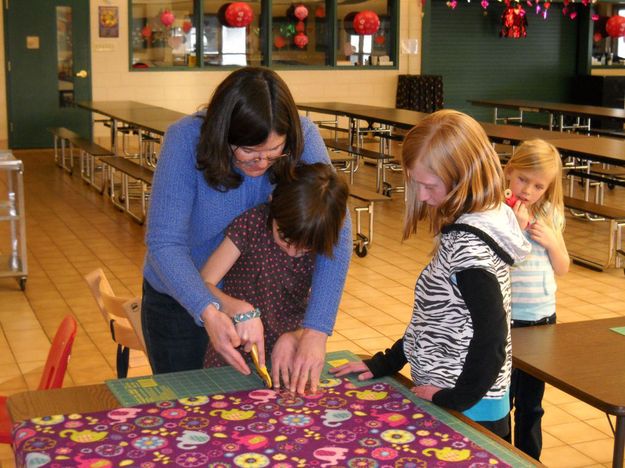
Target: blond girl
[458, 340]
[534, 178]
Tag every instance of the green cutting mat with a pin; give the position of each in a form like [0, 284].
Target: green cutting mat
[152, 388]
[149, 389]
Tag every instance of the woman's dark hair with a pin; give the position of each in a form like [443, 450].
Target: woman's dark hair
[310, 209]
[244, 109]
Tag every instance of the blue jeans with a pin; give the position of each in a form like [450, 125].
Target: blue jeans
[173, 341]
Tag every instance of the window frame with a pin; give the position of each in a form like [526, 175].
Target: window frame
[266, 42]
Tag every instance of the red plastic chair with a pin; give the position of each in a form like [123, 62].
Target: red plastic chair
[53, 372]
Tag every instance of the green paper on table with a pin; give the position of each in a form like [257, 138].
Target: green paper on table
[140, 390]
[620, 330]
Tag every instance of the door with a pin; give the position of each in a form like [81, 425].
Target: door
[47, 49]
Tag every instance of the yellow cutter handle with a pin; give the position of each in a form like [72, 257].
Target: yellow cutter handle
[262, 371]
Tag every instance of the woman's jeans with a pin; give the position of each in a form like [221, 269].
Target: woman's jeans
[174, 342]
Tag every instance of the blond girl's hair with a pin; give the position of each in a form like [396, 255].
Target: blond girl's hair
[454, 147]
[538, 155]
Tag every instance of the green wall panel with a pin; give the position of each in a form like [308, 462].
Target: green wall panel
[463, 45]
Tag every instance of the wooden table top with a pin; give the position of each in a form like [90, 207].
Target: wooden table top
[584, 359]
[558, 107]
[148, 117]
[402, 118]
[513, 134]
[601, 149]
[81, 399]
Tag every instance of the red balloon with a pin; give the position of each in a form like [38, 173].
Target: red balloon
[146, 31]
[320, 12]
[379, 39]
[186, 26]
[300, 26]
[300, 40]
[300, 12]
[167, 18]
[238, 14]
[597, 37]
[615, 27]
[279, 42]
[366, 22]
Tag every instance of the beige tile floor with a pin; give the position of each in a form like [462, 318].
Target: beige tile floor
[72, 230]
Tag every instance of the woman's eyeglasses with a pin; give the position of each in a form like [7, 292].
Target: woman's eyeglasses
[254, 161]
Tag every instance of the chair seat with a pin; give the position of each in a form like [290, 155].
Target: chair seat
[6, 424]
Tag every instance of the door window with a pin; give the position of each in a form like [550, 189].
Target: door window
[64, 55]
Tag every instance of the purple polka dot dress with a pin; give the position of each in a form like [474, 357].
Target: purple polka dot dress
[266, 277]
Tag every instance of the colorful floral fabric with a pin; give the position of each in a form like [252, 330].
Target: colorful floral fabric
[342, 425]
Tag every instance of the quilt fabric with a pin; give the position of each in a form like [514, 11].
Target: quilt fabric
[342, 425]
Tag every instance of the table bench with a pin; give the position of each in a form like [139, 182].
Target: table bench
[596, 212]
[128, 169]
[89, 151]
[381, 159]
[362, 240]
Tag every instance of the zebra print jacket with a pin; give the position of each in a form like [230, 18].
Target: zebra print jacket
[458, 338]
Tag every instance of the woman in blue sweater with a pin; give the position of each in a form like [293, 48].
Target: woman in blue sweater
[213, 166]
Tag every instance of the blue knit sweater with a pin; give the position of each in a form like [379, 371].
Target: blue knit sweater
[187, 219]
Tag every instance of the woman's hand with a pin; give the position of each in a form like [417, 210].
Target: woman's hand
[353, 367]
[426, 392]
[224, 338]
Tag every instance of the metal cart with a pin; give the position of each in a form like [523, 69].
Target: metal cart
[12, 258]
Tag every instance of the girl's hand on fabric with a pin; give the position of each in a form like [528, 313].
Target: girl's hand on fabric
[252, 332]
[354, 367]
[522, 214]
[543, 234]
[308, 362]
[281, 358]
[224, 338]
[426, 392]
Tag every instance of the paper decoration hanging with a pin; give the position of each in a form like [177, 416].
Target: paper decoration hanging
[615, 26]
[366, 22]
[238, 14]
[167, 18]
[300, 12]
[514, 22]
[279, 42]
[300, 40]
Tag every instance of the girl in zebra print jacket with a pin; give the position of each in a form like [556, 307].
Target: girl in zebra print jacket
[458, 340]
